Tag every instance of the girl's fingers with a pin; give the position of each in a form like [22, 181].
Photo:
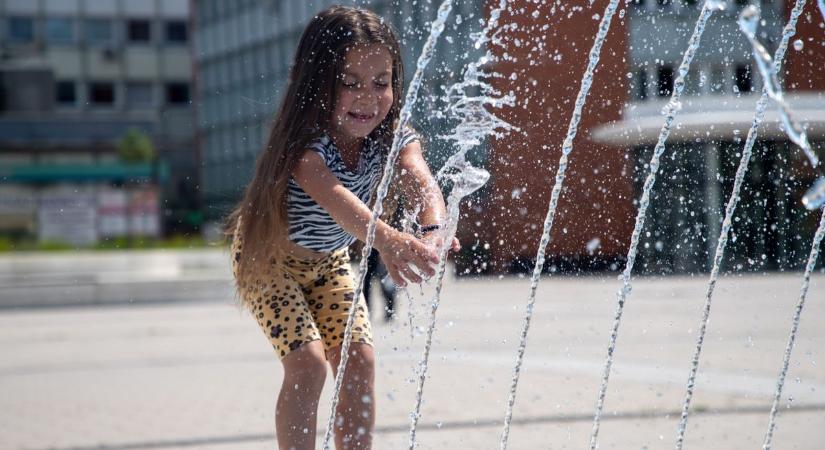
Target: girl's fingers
[424, 265]
[396, 277]
[410, 274]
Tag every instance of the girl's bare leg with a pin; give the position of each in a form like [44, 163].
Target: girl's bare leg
[296, 411]
[355, 416]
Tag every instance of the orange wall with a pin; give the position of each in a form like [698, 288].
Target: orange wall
[597, 199]
[803, 69]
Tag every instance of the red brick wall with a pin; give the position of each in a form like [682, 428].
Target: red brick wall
[597, 199]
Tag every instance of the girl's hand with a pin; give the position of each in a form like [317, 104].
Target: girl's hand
[401, 252]
[436, 241]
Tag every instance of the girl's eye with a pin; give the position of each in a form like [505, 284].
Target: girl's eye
[381, 83]
[350, 85]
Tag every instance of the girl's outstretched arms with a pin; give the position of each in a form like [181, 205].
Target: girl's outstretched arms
[400, 251]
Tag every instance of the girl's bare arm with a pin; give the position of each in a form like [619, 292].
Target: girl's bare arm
[418, 184]
[399, 250]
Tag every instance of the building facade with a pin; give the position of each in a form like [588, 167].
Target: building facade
[75, 77]
[772, 230]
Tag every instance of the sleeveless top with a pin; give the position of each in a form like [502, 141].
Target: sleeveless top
[310, 226]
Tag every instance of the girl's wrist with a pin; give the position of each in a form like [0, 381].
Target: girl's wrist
[383, 235]
[426, 229]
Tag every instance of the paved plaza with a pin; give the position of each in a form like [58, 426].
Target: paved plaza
[146, 351]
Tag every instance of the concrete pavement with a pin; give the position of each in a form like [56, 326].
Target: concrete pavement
[199, 374]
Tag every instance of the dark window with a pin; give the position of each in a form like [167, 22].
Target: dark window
[665, 75]
[176, 31]
[743, 78]
[102, 93]
[140, 31]
[641, 84]
[66, 93]
[21, 29]
[177, 93]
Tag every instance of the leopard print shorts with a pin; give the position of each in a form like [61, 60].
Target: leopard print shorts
[307, 300]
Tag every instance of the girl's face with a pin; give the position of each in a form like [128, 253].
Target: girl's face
[364, 91]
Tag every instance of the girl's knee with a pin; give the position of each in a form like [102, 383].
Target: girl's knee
[306, 364]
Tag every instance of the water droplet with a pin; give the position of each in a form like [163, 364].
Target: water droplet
[798, 45]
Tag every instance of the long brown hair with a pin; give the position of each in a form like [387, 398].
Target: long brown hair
[304, 115]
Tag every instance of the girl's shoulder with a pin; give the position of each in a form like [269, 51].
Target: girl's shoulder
[408, 135]
[323, 147]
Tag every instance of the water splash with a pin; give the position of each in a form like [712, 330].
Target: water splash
[671, 109]
[822, 8]
[733, 200]
[567, 147]
[815, 197]
[748, 22]
[436, 28]
[476, 121]
[467, 180]
[803, 292]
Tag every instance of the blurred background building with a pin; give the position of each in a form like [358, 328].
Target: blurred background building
[99, 137]
[772, 230]
[96, 132]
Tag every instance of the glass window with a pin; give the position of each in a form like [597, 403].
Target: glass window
[177, 93]
[102, 93]
[60, 30]
[99, 31]
[744, 83]
[139, 31]
[717, 80]
[139, 94]
[21, 29]
[641, 84]
[176, 31]
[65, 93]
[665, 75]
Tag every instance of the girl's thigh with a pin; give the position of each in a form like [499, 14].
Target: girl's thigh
[283, 313]
[331, 298]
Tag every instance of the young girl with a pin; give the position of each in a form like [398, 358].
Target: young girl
[308, 201]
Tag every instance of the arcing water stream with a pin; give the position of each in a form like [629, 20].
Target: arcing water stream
[436, 28]
[671, 109]
[789, 30]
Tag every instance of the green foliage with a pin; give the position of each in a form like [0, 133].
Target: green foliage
[135, 147]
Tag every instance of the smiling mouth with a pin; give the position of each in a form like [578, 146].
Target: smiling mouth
[361, 117]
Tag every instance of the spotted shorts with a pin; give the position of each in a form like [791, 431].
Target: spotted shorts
[307, 300]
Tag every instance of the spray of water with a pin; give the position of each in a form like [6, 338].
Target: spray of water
[567, 148]
[472, 103]
[822, 8]
[436, 28]
[467, 180]
[747, 151]
[670, 110]
[748, 23]
[803, 292]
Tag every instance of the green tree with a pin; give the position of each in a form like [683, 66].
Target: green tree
[135, 147]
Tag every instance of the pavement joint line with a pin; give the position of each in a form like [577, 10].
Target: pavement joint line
[455, 425]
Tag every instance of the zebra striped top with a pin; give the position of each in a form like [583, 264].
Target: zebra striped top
[310, 226]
